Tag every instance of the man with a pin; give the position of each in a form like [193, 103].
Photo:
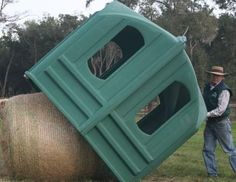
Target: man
[218, 127]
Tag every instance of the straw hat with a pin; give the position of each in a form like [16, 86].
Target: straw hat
[217, 70]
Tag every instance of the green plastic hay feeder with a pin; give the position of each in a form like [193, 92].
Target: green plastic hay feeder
[102, 102]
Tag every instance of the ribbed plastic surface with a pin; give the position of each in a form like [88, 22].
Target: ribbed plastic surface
[104, 108]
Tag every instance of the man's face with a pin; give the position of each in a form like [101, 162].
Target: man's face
[216, 78]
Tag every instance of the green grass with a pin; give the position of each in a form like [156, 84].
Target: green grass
[187, 165]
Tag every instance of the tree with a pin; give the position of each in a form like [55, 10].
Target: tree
[4, 3]
[193, 18]
[105, 59]
[222, 51]
[209, 41]
[226, 4]
[188, 17]
[8, 18]
[7, 53]
[22, 46]
[37, 38]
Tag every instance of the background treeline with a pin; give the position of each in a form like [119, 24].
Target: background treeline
[211, 38]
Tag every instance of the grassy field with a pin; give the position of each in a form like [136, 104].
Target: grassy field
[187, 165]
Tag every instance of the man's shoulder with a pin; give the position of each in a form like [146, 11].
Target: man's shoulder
[224, 86]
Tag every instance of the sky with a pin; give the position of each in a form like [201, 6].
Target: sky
[35, 9]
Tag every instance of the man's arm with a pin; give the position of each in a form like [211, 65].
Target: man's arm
[222, 104]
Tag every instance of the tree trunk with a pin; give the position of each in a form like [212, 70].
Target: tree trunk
[6, 75]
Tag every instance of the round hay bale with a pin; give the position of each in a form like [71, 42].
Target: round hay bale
[37, 142]
[3, 169]
[2, 103]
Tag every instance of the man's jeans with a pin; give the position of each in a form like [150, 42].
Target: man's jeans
[221, 132]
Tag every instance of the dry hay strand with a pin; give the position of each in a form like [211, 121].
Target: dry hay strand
[37, 142]
[3, 169]
[2, 103]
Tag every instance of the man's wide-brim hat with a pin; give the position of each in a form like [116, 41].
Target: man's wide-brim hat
[217, 70]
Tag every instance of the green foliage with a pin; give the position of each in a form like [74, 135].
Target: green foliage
[226, 4]
[222, 51]
[210, 40]
[226, 39]
[3, 16]
[22, 46]
[37, 38]
[192, 18]
[130, 3]
[6, 18]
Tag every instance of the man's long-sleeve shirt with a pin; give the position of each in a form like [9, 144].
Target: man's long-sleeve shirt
[223, 101]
